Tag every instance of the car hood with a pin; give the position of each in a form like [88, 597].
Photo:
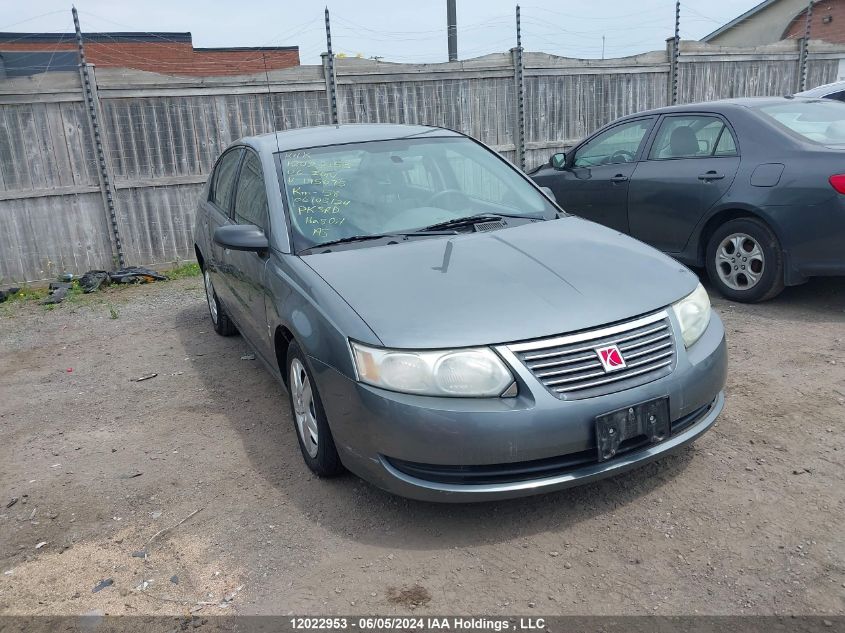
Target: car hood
[514, 284]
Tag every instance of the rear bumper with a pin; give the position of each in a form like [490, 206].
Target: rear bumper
[811, 237]
[377, 431]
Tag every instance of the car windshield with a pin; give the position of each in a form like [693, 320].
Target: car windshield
[402, 185]
[822, 121]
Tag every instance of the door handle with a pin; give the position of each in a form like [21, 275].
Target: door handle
[619, 178]
[711, 175]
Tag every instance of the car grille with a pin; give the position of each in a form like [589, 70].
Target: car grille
[569, 366]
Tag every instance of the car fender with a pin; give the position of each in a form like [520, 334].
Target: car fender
[304, 307]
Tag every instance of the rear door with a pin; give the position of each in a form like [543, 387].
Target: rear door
[244, 270]
[220, 198]
[688, 168]
[594, 183]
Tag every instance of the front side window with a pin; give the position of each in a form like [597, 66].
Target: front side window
[617, 145]
[224, 180]
[251, 198]
[821, 121]
[693, 136]
[399, 185]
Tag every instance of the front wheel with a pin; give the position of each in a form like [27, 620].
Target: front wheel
[309, 418]
[745, 262]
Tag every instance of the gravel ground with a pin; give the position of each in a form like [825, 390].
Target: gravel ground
[749, 520]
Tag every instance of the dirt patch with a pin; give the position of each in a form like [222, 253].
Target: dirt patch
[748, 520]
[408, 597]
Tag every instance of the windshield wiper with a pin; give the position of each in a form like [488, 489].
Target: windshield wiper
[475, 219]
[377, 236]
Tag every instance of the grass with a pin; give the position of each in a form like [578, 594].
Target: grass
[28, 294]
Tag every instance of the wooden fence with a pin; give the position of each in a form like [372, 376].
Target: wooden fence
[161, 134]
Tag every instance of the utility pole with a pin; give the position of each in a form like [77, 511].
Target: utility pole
[92, 102]
[452, 29]
[602, 46]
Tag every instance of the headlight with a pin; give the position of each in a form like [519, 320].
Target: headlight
[476, 372]
[693, 312]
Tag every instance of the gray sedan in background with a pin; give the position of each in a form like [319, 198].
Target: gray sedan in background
[442, 328]
[751, 189]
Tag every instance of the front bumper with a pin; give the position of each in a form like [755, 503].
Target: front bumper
[376, 430]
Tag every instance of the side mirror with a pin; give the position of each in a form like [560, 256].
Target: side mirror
[549, 193]
[241, 237]
[558, 161]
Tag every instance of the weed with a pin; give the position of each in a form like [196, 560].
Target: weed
[184, 270]
[113, 313]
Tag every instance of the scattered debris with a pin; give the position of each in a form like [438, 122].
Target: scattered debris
[105, 582]
[174, 579]
[93, 279]
[135, 274]
[6, 294]
[227, 598]
[249, 356]
[173, 527]
[131, 475]
[58, 293]
[141, 553]
[41, 544]
[12, 502]
[143, 586]
[145, 377]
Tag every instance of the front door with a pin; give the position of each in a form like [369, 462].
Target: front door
[691, 164]
[245, 270]
[594, 183]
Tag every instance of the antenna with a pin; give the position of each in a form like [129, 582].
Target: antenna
[270, 101]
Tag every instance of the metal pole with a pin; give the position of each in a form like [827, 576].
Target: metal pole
[452, 29]
[328, 71]
[519, 82]
[805, 42]
[92, 101]
[676, 52]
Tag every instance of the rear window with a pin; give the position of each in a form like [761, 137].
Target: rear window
[819, 121]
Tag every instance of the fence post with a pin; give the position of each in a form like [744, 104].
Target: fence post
[92, 103]
[329, 74]
[675, 54]
[519, 84]
[803, 54]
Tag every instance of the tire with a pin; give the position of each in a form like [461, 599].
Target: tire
[219, 319]
[745, 261]
[309, 417]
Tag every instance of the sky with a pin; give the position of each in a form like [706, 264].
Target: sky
[397, 30]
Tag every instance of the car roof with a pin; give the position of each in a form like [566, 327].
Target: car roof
[720, 105]
[323, 135]
[822, 91]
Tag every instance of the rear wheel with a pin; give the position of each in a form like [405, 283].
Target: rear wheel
[309, 418]
[744, 261]
[222, 323]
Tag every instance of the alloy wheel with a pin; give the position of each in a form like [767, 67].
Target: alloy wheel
[740, 261]
[304, 407]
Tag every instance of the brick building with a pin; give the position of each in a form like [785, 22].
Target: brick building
[827, 22]
[168, 53]
[775, 20]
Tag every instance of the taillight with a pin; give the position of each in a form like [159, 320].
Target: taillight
[837, 181]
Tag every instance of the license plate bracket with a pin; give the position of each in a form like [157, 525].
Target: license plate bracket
[619, 430]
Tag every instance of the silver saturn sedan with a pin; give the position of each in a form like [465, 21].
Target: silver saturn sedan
[442, 328]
